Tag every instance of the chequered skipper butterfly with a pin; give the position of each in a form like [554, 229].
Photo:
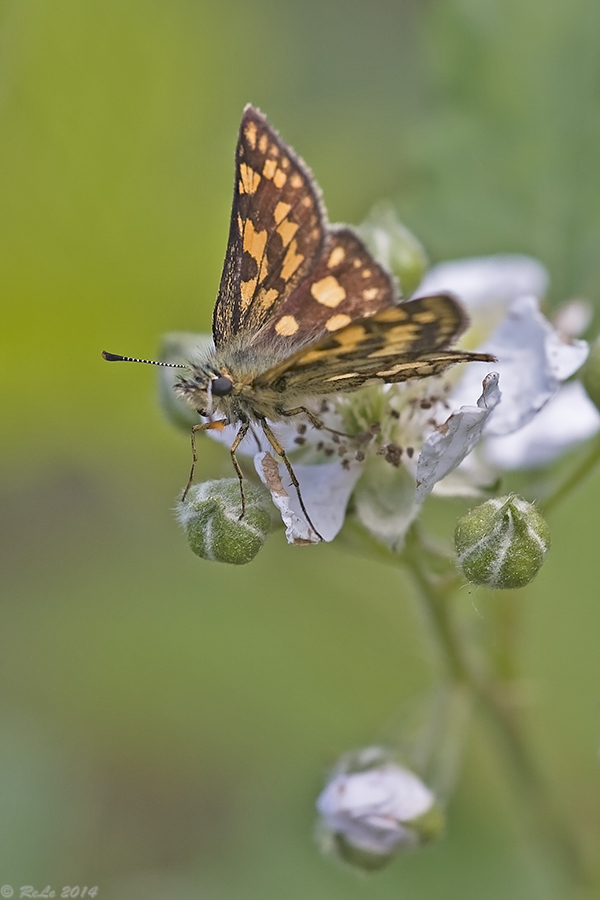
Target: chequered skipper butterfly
[303, 308]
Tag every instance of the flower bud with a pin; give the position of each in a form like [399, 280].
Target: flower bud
[591, 374]
[372, 808]
[502, 543]
[394, 246]
[210, 516]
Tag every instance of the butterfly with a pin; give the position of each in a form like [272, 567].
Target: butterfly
[303, 309]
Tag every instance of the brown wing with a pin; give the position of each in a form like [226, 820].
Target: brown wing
[346, 284]
[276, 234]
[402, 342]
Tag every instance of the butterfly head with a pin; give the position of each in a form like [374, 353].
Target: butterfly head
[203, 388]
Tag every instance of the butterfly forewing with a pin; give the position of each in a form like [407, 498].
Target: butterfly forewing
[276, 233]
[401, 342]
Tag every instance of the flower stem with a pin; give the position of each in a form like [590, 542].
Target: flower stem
[545, 820]
[578, 474]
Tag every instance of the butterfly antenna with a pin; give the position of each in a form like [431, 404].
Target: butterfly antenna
[114, 357]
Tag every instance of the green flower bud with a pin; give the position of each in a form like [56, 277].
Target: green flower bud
[210, 516]
[591, 374]
[179, 347]
[394, 246]
[502, 543]
[373, 808]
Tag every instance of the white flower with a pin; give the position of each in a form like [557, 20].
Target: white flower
[376, 808]
[487, 282]
[451, 433]
[568, 419]
[539, 417]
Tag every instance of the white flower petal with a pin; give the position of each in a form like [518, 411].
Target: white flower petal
[369, 808]
[573, 318]
[532, 360]
[446, 448]
[389, 790]
[565, 356]
[325, 489]
[385, 503]
[566, 420]
[473, 476]
[487, 280]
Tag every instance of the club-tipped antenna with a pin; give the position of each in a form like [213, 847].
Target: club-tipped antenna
[114, 357]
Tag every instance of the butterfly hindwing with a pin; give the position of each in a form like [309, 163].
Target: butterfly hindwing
[276, 233]
[401, 342]
[345, 284]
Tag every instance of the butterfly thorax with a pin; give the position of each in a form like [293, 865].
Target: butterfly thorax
[223, 384]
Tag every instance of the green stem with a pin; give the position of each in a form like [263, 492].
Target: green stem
[579, 473]
[548, 823]
[505, 617]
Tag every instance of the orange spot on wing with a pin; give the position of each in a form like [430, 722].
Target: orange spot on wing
[328, 291]
[337, 321]
[291, 261]
[254, 241]
[281, 211]
[351, 336]
[287, 230]
[287, 326]
[247, 289]
[269, 168]
[425, 318]
[250, 133]
[266, 299]
[393, 314]
[249, 179]
[335, 257]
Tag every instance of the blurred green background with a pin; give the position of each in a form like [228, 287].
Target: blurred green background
[165, 723]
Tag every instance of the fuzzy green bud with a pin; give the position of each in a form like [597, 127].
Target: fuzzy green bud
[211, 519]
[591, 374]
[502, 543]
[394, 246]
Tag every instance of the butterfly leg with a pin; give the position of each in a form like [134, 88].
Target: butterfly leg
[281, 452]
[201, 426]
[238, 440]
[314, 420]
[302, 410]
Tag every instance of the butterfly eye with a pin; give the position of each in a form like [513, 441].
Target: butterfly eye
[221, 386]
